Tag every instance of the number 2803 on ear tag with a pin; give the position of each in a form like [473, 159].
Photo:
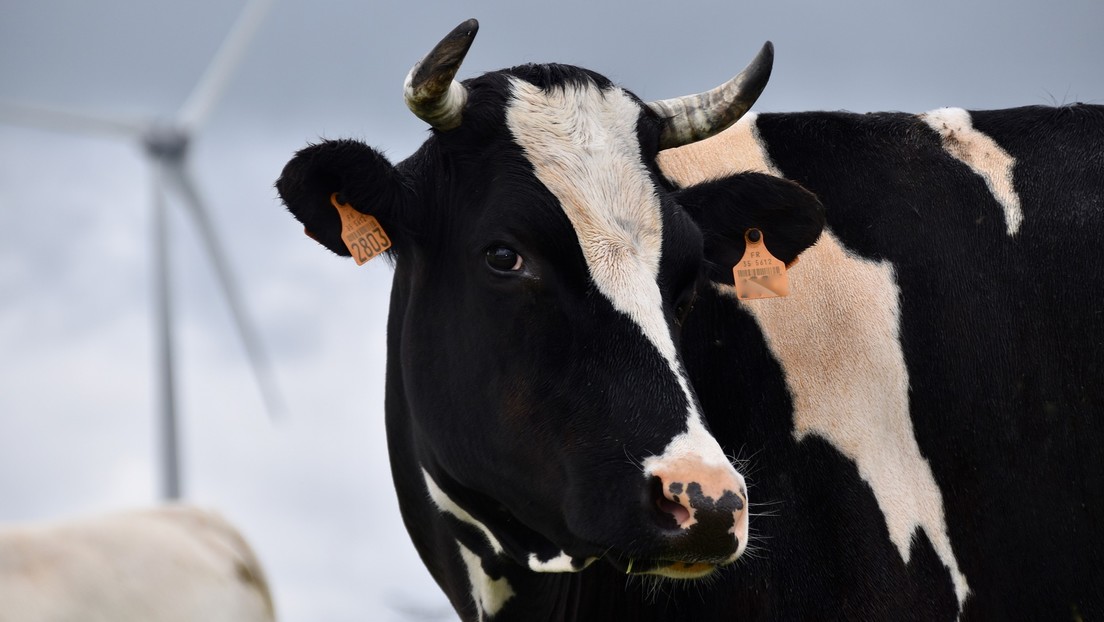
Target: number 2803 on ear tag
[362, 233]
[759, 274]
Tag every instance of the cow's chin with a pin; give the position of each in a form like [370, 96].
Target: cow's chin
[684, 570]
[681, 570]
[678, 570]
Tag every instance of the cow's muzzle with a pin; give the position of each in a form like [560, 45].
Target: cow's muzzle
[702, 511]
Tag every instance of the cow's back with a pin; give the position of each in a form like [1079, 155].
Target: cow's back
[169, 564]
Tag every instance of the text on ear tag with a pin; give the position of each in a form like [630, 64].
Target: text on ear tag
[758, 273]
[362, 233]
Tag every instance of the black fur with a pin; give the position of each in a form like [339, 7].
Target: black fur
[790, 218]
[363, 178]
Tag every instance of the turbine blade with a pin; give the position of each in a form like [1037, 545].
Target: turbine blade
[202, 100]
[262, 371]
[67, 120]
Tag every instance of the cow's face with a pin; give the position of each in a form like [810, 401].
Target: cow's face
[543, 269]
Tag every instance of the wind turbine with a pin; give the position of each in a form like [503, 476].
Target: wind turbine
[166, 145]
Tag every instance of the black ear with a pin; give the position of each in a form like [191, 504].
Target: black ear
[361, 176]
[789, 217]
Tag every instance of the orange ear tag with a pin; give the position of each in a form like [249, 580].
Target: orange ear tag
[361, 232]
[759, 274]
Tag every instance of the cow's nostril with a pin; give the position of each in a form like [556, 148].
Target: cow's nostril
[680, 513]
[674, 510]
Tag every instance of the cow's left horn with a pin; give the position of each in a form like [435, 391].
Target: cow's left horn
[430, 90]
[692, 118]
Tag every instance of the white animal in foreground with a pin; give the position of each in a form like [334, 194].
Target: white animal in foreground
[168, 564]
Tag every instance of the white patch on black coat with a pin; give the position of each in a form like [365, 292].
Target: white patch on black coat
[489, 595]
[841, 355]
[583, 145]
[560, 563]
[448, 506]
[983, 155]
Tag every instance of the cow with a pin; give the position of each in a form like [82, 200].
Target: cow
[543, 435]
[174, 563]
[926, 406]
[562, 346]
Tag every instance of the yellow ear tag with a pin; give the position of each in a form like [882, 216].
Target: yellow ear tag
[759, 274]
[361, 232]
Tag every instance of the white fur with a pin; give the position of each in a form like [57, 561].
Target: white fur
[837, 339]
[170, 564]
[447, 505]
[560, 563]
[983, 155]
[488, 594]
[583, 146]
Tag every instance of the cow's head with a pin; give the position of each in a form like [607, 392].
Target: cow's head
[543, 266]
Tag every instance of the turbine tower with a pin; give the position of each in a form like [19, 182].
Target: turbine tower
[166, 145]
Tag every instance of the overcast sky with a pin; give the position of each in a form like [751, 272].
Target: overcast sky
[312, 492]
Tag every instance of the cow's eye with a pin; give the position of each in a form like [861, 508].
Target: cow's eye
[503, 259]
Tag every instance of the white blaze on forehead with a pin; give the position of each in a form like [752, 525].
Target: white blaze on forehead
[841, 355]
[583, 145]
[983, 155]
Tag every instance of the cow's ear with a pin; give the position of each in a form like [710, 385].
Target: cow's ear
[789, 217]
[348, 172]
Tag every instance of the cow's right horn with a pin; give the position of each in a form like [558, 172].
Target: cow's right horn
[692, 118]
[430, 90]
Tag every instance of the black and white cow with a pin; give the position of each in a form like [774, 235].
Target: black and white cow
[539, 417]
[544, 434]
[927, 407]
